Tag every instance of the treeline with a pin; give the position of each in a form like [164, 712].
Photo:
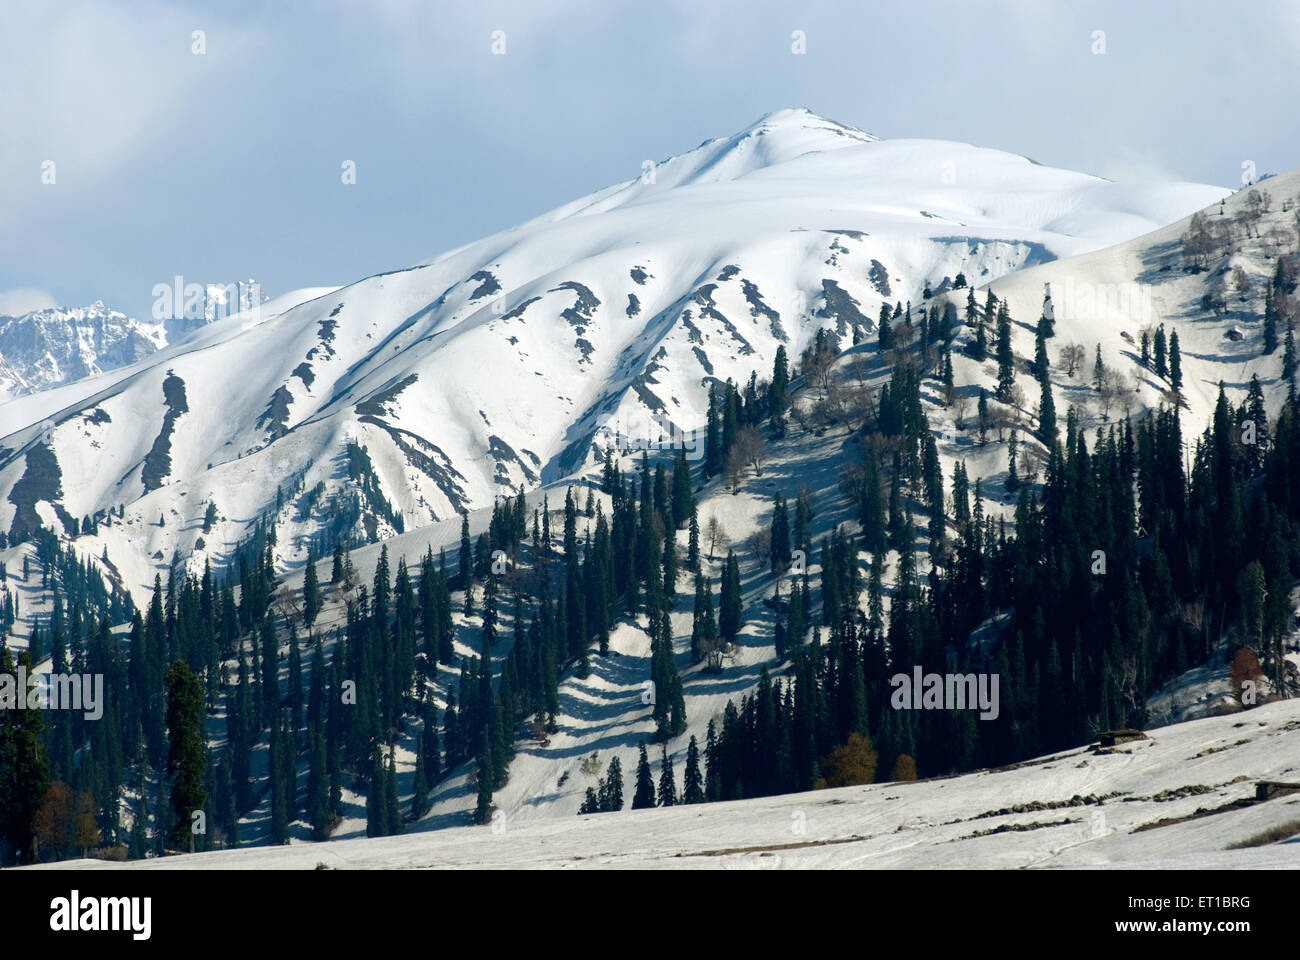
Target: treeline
[1122, 571]
[332, 709]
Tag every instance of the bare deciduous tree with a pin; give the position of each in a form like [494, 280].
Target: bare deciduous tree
[748, 445]
[1240, 282]
[816, 367]
[285, 601]
[1198, 244]
[716, 536]
[859, 405]
[1016, 396]
[858, 368]
[733, 471]
[1116, 387]
[1072, 356]
[962, 406]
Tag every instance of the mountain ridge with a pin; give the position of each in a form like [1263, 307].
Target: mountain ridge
[621, 306]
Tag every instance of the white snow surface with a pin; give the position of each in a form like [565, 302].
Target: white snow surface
[1201, 764]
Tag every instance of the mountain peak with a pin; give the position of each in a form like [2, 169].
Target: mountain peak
[772, 139]
[801, 118]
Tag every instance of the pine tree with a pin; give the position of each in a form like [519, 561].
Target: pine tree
[394, 813]
[24, 767]
[712, 766]
[669, 572]
[187, 757]
[1041, 362]
[713, 451]
[779, 544]
[897, 513]
[886, 341]
[667, 784]
[1175, 362]
[730, 418]
[978, 348]
[692, 783]
[1006, 358]
[1046, 411]
[1270, 320]
[871, 509]
[376, 805]
[1047, 321]
[318, 788]
[611, 792]
[310, 591]
[704, 629]
[730, 604]
[1289, 361]
[802, 520]
[644, 795]
[279, 787]
[466, 564]
[483, 808]
[683, 496]
[777, 392]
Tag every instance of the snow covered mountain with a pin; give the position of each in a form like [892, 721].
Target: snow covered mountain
[58, 345]
[492, 366]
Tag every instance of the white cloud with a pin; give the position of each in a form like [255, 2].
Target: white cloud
[20, 300]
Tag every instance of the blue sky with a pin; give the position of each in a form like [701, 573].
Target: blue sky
[227, 164]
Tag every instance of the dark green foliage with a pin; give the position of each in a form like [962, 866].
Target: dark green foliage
[644, 794]
[186, 757]
[310, 592]
[779, 545]
[24, 769]
[667, 795]
[693, 782]
[1175, 362]
[1006, 358]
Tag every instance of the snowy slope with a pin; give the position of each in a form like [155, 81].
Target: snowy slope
[1109, 296]
[490, 367]
[1080, 808]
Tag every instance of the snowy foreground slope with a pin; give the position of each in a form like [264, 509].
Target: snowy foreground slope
[1085, 808]
[491, 367]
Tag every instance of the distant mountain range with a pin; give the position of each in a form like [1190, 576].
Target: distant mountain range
[60, 345]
